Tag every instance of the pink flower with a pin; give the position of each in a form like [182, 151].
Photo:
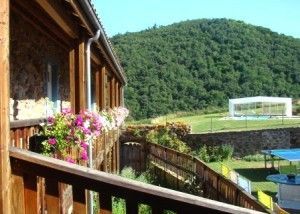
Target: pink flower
[66, 111]
[50, 120]
[78, 121]
[52, 141]
[84, 155]
[84, 145]
[70, 160]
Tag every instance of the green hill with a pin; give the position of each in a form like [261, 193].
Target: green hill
[201, 63]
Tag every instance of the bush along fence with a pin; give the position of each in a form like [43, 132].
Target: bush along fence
[185, 172]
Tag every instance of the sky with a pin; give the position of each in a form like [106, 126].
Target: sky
[121, 16]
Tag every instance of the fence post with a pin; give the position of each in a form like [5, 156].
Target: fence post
[165, 165]
[177, 171]
[218, 187]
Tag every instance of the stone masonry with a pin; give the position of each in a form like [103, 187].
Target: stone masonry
[248, 142]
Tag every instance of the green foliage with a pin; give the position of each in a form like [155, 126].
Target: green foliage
[201, 63]
[165, 137]
[119, 205]
[202, 154]
[226, 151]
[214, 153]
[256, 157]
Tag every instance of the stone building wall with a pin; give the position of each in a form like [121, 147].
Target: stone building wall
[248, 142]
[30, 52]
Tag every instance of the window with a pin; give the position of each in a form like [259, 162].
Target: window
[53, 105]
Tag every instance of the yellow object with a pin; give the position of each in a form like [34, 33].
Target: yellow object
[279, 210]
[288, 169]
[265, 199]
[225, 170]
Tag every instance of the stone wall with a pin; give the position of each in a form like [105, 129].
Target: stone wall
[30, 52]
[248, 142]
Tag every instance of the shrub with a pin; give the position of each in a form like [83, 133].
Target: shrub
[165, 137]
[256, 157]
[202, 154]
[226, 151]
[214, 153]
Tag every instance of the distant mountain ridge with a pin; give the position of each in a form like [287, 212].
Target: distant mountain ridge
[201, 63]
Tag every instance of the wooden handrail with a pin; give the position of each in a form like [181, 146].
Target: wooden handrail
[26, 123]
[111, 185]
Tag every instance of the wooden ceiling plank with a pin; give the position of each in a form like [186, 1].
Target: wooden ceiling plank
[81, 16]
[41, 23]
[59, 16]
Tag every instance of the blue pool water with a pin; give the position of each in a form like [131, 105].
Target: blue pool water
[252, 117]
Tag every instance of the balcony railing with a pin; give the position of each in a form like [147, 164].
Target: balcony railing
[105, 147]
[27, 167]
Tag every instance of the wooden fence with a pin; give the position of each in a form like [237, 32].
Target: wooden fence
[133, 155]
[27, 167]
[178, 169]
[21, 131]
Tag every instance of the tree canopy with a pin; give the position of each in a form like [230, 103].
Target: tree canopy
[201, 63]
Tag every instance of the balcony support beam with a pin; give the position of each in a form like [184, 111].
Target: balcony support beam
[5, 195]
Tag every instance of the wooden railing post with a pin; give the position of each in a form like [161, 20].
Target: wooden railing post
[105, 143]
[102, 88]
[52, 196]
[17, 191]
[72, 75]
[118, 154]
[30, 194]
[5, 196]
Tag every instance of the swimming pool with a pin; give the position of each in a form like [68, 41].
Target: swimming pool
[252, 117]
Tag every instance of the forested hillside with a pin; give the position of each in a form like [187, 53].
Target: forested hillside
[201, 63]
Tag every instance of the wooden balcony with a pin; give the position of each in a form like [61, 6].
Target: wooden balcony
[28, 167]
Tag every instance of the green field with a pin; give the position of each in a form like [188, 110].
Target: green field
[201, 123]
[254, 171]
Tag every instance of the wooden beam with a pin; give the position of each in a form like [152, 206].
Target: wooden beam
[82, 75]
[58, 14]
[52, 196]
[122, 96]
[102, 88]
[5, 196]
[17, 194]
[79, 13]
[112, 92]
[72, 71]
[95, 56]
[117, 94]
[97, 86]
[30, 193]
[38, 19]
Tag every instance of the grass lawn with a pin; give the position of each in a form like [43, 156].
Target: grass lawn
[215, 122]
[254, 171]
